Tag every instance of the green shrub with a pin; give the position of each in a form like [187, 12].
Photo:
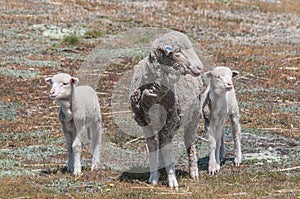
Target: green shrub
[71, 39]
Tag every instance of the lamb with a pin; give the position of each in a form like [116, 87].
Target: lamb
[218, 104]
[165, 91]
[79, 113]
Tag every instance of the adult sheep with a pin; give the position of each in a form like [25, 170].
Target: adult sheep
[165, 91]
[219, 104]
[79, 113]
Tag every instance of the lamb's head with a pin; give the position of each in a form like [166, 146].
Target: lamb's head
[221, 78]
[61, 86]
[175, 54]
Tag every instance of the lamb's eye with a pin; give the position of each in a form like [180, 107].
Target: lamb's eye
[65, 83]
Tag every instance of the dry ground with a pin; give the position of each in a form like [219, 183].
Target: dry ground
[261, 39]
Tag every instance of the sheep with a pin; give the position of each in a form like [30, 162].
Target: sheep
[79, 113]
[219, 103]
[164, 96]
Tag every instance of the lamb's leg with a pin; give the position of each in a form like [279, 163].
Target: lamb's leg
[77, 144]
[223, 147]
[69, 134]
[217, 155]
[236, 134]
[206, 116]
[189, 141]
[212, 142]
[96, 144]
[166, 156]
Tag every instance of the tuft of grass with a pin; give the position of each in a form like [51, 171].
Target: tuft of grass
[72, 39]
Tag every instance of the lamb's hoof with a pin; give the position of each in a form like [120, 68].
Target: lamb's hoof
[77, 172]
[95, 167]
[70, 169]
[173, 184]
[237, 162]
[213, 169]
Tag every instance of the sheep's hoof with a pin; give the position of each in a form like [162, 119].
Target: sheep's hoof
[153, 179]
[194, 173]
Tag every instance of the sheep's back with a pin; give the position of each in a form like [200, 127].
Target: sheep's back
[139, 72]
[188, 90]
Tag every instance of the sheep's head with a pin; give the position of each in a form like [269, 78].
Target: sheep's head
[221, 77]
[61, 86]
[174, 53]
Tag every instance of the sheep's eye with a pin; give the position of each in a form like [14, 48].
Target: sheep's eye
[65, 83]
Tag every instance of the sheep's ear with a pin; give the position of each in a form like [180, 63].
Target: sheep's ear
[74, 81]
[208, 74]
[235, 73]
[155, 55]
[48, 80]
[151, 57]
[169, 50]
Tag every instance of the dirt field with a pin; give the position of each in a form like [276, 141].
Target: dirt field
[100, 42]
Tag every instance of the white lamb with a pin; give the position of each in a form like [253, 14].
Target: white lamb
[218, 104]
[79, 113]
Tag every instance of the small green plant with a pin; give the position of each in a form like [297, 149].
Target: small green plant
[93, 34]
[71, 39]
[224, 1]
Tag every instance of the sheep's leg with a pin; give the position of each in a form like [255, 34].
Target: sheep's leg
[189, 141]
[152, 145]
[96, 144]
[236, 134]
[166, 156]
[77, 145]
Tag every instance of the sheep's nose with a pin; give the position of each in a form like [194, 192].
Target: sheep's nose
[229, 84]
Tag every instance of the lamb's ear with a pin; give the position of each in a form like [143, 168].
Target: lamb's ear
[208, 74]
[74, 81]
[48, 80]
[235, 73]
